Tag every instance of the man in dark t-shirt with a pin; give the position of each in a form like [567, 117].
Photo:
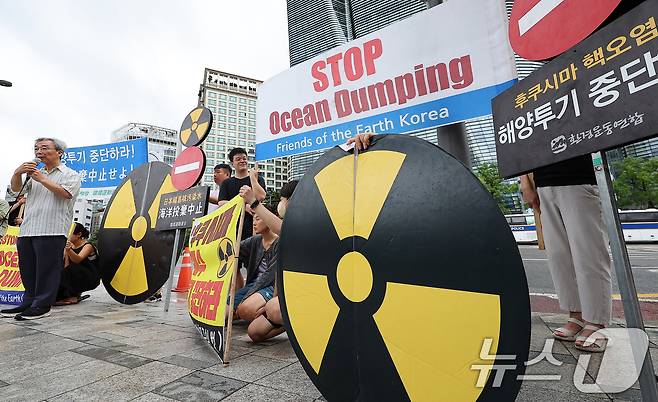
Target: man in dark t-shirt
[231, 186]
[576, 246]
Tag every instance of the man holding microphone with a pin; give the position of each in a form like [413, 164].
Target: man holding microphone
[52, 191]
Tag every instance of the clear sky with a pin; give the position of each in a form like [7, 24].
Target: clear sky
[83, 68]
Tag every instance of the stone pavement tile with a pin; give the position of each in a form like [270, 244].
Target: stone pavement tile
[533, 392]
[248, 368]
[61, 381]
[113, 356]
[200, 386]
[188, 362]
[631, 395]
[9, 331]
[237, 351]
[159, 350]
[105, 343]
[34, 347]
[151, 397]
[281, 351]
[111, 337]
[291, 379]
[564, 384]
[128, 384]
[18, 369]
[539, 334]
[205, 353]
[253, 392]
[244, 341]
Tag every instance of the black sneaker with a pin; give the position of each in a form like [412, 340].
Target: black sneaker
[155, 298]
[11, 312]
[33, 313]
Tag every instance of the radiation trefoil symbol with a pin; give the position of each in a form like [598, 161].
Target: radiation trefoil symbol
[374, 309]
[133, 265]
[226, 256]
[196, 126]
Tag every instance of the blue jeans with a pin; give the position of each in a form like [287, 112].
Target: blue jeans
[267, 293]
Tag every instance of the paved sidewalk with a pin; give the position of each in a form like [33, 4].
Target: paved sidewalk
[102, 350]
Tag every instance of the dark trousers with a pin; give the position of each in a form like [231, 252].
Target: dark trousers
[40, 260]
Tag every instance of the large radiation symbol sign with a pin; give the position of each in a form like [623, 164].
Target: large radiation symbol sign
[135, 258]
[196, 126]
[397, 269]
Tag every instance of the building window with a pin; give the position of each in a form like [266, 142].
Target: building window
[242, 121]
[222, 110]
[231, 127]
[242, 107]
[252, 116]
[222, 104]
[232, 113]
[243, 100]
[232, 106]
[222, 96]
[221, 118]
[232, 98]
[252, 102]
[212, 102]
[212, 94]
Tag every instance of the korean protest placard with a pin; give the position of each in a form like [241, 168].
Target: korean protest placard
[213, 246]
[102, 167]
[598, 95]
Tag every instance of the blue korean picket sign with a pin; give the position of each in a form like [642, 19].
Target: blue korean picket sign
[105, 165]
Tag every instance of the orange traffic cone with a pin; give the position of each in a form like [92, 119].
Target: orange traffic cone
[185, 273]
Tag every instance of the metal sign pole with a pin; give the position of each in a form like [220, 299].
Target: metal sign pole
[172, 268]
[622, 264]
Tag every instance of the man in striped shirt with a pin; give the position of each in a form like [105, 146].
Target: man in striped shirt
[52, 191]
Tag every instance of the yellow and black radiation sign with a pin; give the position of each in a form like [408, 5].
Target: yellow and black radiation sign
[395, 270]
[135, 259]
[225, 252]
[196, 126]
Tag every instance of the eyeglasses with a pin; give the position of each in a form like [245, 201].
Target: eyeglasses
[43, 148]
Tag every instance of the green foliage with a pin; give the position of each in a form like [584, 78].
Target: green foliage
[272, 198]
[636, 184]
[490, 178]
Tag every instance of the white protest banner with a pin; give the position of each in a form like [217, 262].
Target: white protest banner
[437, 67]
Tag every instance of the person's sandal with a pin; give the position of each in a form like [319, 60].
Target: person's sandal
[594, 343]
[566, 334]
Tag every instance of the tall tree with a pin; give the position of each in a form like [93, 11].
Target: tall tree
[490, 178]
[636, 185]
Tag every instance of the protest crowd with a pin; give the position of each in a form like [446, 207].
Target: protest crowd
[58, 263]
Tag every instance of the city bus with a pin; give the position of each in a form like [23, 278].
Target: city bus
[638, 226]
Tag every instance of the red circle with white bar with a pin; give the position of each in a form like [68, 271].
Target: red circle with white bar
[188, 168]
[541, 29]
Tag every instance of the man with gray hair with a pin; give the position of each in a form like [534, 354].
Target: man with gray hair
[48, 215]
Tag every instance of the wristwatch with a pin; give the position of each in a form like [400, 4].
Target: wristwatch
[254, 204]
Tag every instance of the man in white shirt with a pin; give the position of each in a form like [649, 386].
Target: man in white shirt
[221, 172]
[52, 191]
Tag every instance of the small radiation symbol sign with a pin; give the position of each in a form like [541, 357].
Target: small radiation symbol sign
[226, 256]
[196, 126]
